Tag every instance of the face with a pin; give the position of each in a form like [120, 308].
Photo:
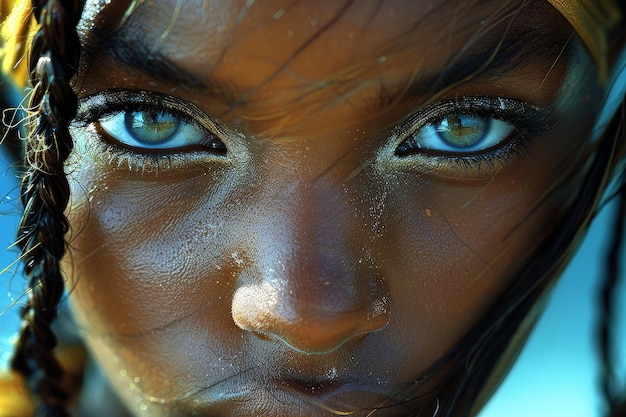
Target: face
[297, 209]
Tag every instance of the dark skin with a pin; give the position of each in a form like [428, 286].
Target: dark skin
[309, 243]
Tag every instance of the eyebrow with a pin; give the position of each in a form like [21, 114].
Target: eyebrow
[493, 54]
[133, 54]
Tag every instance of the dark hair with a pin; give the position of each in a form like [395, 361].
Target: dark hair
[613, 394]
[506, 320]
[54, 58]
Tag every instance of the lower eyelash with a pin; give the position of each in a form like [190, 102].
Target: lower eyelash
[89, 143]
[136, 162]
[477, 167]
[143, 164]
[516, 148]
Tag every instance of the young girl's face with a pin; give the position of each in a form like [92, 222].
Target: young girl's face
[292, 208]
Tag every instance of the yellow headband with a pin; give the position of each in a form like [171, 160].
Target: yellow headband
[592, 20]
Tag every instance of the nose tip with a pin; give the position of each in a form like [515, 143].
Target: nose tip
[302, 325]
[310, 282]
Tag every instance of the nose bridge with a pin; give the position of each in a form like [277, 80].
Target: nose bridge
[306, 287]
[307, 251]
[315, 250]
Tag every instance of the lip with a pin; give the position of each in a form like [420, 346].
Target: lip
[314, 388]
[336, 397]
[295, 397]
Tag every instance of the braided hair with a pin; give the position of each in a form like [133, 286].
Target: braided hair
[54, 58]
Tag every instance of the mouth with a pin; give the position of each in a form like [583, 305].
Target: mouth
[295, 396]
[310, 388]
[338, 397]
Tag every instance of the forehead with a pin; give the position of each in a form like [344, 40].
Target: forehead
[315, 34]
[281, 60]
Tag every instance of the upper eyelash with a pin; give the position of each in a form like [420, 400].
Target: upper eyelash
[99, 105]
[526, 119]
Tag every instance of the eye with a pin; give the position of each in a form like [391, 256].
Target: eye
[466, 138]
[457, 133]
[469, 126]
[158, 130]
[143, 122]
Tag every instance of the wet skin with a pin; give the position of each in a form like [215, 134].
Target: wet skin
[303, 256]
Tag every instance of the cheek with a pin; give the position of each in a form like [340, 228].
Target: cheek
[449, 251]
[150, 267]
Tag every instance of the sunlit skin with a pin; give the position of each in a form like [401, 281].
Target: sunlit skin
[310, 268]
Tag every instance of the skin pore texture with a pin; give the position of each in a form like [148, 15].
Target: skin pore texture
[311, 253]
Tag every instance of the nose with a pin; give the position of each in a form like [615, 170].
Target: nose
[310, 287]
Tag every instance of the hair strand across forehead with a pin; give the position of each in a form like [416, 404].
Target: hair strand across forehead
[594, 21]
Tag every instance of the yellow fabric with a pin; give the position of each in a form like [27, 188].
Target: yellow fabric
[15, 400]
[593, 20]
[16, 31]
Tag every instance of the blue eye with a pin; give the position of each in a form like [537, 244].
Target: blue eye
[154, 129]
[457, 133]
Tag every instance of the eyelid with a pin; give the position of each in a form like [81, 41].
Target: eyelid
[527, 118]
[108, 102]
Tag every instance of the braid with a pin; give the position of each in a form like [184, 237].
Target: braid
[54, 59]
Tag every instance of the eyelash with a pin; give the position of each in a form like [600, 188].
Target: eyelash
[93, 109]
[527, 121]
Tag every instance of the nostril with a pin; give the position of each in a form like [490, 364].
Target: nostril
[301, 325]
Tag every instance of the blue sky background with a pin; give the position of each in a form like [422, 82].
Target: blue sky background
[556, 374]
